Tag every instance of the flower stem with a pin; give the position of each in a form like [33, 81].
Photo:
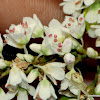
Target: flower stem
[38, 57]
[25, 50]
[5, 73]
[82, 42]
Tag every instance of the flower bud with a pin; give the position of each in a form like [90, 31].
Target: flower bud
[69, 58]
[28, 57]
[91, 52]
[35, 47]
[20, 56]
[2, 64]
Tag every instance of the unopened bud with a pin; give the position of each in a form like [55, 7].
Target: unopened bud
[69, 58]
[91, 52]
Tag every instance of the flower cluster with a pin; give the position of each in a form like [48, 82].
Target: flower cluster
[51, 64]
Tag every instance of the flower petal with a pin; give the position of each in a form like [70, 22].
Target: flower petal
[98, 16]
[14, 76]
[23, 76]
[64, 84]
[69, 7]
[74, 90]
[67, 46]
[91, 33]
[53, 91]
[11, 41]
[11, 95]
[57, 64]
[30, 22]
[44, 91]
[38, 30]
[22, 95]
[98, 42]
[57, 73]
[32, 75]
[78, 3]
[76, 13]
[97, 32]
[95, 26]
[52, 79]
[2, 95]
[91, 16]
[38, 22]
[24, 85]
[31, 90]
[54, 23]
[88, 2]
[36, 92]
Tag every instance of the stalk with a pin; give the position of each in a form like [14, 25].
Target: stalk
[5, 73]
[91, 87]
[29, 69]
[25, 50]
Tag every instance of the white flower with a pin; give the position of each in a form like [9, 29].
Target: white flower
[91, 52]
[18, 35]
[93, 14]
[3, 96]
[74, 7]
[75, 27]
[69, 58]
[38, 30]
[45, 90]
[32, 75]
[93, 32]
[70, 77]
[21, 90]
[55, 28]
[3, 64]
[54, 70]
[53, 42]
[16, 76]
[50, 46]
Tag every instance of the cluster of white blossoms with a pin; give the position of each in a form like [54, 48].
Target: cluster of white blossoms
[59, 51]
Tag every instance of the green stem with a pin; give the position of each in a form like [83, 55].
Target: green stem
[25, 50]
[29, 69]
[38, 57]
[70, 66]
[5, 73]
[82, 42]
[91, 87]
